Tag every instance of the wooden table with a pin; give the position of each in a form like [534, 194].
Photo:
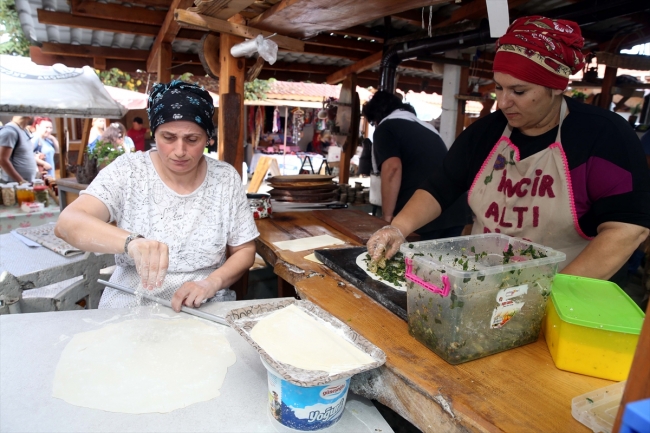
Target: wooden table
[519, 390]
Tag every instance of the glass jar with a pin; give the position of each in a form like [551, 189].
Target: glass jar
[8, 194]
[24, 193]
[41, 195]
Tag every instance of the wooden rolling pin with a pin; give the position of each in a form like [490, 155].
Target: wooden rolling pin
[192, 311]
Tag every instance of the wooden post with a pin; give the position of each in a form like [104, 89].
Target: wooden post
[638, 382]
[606, 91]
[99, 63]
[164, 63]
[231, 149]
[462, 89]
[63, 146]
[349, 100]
[88, 123]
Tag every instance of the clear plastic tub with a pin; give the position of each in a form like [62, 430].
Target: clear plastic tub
[597, 409]
[473, 296]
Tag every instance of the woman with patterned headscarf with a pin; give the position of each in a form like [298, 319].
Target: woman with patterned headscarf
[183, 228]
[543, 166]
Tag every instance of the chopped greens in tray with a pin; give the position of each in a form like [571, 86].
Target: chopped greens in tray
[391, 270]
[470, 258]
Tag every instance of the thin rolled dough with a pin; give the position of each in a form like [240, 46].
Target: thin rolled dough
[144, 366]
[293, 337]
[361, 262]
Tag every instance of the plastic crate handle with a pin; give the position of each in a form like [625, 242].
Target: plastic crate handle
[409, 275]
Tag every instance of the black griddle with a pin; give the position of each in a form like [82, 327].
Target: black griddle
[343, 261]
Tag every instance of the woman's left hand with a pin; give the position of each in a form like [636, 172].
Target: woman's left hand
[193, 293]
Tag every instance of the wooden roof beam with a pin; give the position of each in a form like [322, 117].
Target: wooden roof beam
[626, 41]
[111, 53]
[356, 68]
[41, 58]
[167, 32]
[196, 21]
[359, 32]
[137, 15]
[68, 20]
[64, 19]
[472, 11]
[332, 52]
[154, 3]
[347, 43]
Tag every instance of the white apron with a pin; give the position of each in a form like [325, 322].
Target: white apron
[531, 198]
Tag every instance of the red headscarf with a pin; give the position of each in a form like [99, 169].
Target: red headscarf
[540, 50]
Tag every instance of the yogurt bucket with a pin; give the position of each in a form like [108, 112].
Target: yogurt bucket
[306, 408]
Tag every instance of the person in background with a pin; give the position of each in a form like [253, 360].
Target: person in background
[137, 134]
[17, 152]
[99, 124]
[365, 160]
[113, 135]
[406, 151]
[45, 144]
[128, 142]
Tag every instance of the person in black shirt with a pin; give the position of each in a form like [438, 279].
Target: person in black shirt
[406, 150]
[543, 167]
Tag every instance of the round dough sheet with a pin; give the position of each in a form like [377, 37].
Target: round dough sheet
[361, 262]
[144, 366]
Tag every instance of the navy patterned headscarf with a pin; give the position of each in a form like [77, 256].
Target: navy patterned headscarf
[169, 102]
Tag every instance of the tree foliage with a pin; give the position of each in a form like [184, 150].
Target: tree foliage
[116, 78]
[257, 89]
[17, 44]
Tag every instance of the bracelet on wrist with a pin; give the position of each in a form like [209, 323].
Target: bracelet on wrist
[128, 240]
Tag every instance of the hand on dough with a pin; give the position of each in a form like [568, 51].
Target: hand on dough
[151, 261]
[194, 293]
[384, 244]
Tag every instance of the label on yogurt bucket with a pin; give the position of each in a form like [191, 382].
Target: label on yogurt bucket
[307, 408]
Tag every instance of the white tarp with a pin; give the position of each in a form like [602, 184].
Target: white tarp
[130, 99]
[29, 89]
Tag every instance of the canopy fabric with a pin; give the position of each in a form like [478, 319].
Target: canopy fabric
[128, 98]
[29, 89]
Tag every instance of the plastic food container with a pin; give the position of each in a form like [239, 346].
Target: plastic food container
[473, 296]
[30, 207]
[597, 409]
[8, 194]
[24, 193]
[306, 408]
[41, 195]
[592, 327]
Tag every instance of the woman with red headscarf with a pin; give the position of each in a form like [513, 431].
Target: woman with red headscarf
[543, 166]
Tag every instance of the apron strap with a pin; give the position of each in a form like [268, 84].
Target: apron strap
[563, 113]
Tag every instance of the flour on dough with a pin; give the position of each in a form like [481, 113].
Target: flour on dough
[144, 366]
[293, 337]
[361, 262]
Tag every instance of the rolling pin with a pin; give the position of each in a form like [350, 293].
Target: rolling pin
[192, 311]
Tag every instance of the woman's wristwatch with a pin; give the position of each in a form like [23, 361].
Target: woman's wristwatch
[129, 238]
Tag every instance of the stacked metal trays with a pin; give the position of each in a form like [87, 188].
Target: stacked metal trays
[303, 188]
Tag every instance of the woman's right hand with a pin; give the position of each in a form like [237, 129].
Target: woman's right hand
[151, 261]
[385, 242]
